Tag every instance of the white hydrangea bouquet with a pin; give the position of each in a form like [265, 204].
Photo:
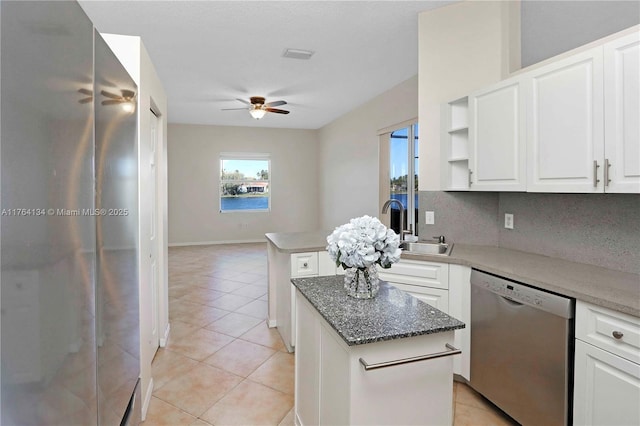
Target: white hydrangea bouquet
[360, 245]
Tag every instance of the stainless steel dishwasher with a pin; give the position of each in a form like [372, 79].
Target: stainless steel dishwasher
[522, 349]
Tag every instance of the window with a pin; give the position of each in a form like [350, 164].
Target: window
[403, 176]
[244, 182]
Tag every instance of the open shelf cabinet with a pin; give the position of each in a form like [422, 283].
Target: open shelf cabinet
[455, 144]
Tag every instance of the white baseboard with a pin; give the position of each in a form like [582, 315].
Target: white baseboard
[271, 323]
[147, 399]
[164, 339]
[210, 243]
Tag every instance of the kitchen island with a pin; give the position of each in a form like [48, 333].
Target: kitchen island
[377, 361]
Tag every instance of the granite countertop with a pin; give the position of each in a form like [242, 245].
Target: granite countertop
[393, 314]
[609, 288]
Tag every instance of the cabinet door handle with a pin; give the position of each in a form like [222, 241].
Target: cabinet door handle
[607, 164]
[451, 351]
[595, 174]
[470, 180]
[305, 265]
[617, 334]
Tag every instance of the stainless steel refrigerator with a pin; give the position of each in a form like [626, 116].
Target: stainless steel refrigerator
[69, 323]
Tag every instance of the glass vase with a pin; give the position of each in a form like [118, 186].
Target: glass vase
[362, 283]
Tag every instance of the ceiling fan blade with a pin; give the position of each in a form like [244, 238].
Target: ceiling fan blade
[277, 111]
[274, 104]
[113, 102]
[244, 101]
[128, 94]
[110, 95]
[234, 109]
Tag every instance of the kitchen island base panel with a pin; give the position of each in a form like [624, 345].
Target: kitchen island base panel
[333, 388]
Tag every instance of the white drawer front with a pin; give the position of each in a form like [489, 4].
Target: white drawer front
[304, 264]
[412, 272]
[612, 331]
[436, 297]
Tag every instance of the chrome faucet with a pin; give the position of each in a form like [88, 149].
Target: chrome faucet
[385, 209]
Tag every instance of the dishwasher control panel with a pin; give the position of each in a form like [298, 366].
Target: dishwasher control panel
[524, 294]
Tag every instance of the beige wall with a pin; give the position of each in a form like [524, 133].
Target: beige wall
[462, 47]
[348, 155]
[194, 168]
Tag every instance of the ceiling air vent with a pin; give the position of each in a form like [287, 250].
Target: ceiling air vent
[297, 54]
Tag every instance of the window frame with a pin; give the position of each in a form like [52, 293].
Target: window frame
[246, 156]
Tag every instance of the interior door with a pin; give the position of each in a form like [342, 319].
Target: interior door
[154, 128]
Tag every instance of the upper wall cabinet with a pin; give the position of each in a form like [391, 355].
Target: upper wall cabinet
[582, 123]
[497, 157]
[455, 145]
[565, 139]
[568, 126]
[621, 111]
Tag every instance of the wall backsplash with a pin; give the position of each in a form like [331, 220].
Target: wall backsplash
[463, 217]
[598, 229]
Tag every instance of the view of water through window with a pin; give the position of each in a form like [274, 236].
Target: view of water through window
[244, 203]
[244, 184]
[403, 172]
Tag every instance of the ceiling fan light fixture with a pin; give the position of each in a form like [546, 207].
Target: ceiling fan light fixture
[128, 107]
[257, 113]
[298, 54]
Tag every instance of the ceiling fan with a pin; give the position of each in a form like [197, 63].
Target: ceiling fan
[88, 93]
[127, 96]
[258, 108]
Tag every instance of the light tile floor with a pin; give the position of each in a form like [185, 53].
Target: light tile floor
[222, 364]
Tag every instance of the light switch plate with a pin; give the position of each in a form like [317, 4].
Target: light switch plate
[429, 218]
[508, 220]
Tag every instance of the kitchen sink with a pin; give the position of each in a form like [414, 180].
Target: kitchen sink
[436, 248]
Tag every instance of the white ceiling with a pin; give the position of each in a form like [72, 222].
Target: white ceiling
[208, 53]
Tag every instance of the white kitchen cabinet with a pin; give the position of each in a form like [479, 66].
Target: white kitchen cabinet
[455, 144]
[282, 267]
[607, 367]
[497, 149]
[570, 125]
[304, 264]
[428, 281]
[621, 167]
[445, 287]
[435, 297]
[333, 388]
[583, 132]
[326, 266]
[460, 308]
[565, 137]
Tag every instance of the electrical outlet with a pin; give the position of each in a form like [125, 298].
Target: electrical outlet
[429, 218]
[508, 220]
